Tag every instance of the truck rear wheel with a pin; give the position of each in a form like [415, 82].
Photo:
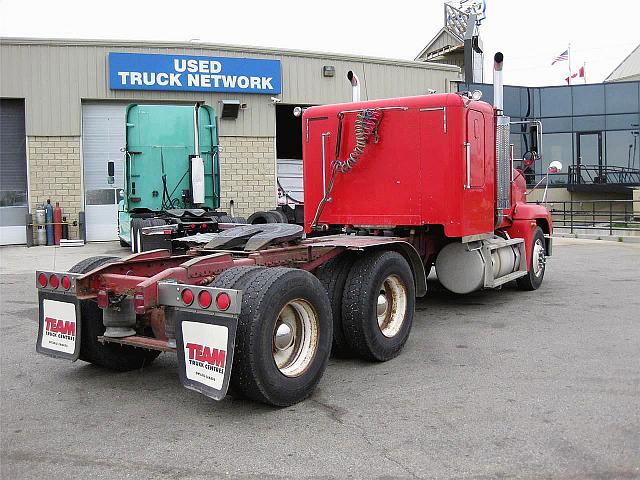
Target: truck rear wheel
[109, 355]
[333, 276]
[283, 341]
[533, 279]
[378, 305]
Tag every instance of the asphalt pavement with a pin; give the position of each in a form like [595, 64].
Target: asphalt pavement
[496, 384]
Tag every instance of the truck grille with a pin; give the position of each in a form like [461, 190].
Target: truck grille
[503, 163]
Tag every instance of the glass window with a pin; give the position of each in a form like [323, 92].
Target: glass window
[527, 102]
[622, 149]
[557, 124]
[588, 99]
[516, 140]
[555, 102]
[13, 198]
[622, 122]
[556, 146]
[512, 101]
[621, 97]
[588, 124]
[104, 196]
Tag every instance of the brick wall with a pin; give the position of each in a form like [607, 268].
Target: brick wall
[248, 174]
[55, 173]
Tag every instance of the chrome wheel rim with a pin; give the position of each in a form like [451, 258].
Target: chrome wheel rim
[539, 258]
[295, 337]
[391, 305]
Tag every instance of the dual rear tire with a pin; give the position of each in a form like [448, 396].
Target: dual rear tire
[283, 339]
[373, 299]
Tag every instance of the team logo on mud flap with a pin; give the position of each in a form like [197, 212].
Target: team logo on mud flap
[59, 326]
[205, 352]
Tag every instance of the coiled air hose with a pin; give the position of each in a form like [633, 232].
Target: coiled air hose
[366, 124]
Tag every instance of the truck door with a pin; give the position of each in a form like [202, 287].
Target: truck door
[478, 202]
[476, 146]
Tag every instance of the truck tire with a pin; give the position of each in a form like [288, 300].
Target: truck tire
[282, 218]
[534, 277]
[283, 341]
[109, 355]
[262, 217]
[378, 305]
[333, 276]
[230, 277]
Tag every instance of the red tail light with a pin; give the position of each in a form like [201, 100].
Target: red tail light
[223, 301]
[138, 304]
[205, 299]
[66, 282]
[193, 225]
[203, 226]
[53, 281]
[187, 296]
[42, 280]
[103, 299]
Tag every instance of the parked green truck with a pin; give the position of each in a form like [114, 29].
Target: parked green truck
[172, 174]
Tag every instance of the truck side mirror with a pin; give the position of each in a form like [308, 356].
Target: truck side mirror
[534, 134]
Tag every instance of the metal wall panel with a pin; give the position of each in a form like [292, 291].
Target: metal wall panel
[56, 76]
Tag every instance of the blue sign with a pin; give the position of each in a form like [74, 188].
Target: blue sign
[143, 71]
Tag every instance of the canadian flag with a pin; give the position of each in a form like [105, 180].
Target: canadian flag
[579, 73]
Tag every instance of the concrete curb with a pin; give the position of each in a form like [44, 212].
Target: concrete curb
[609, 238]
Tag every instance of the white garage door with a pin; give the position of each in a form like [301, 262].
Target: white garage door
[13, 172]
[103, 135]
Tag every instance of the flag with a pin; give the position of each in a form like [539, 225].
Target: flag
[562, 57]
[579, 73]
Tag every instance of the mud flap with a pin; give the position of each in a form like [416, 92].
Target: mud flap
[204, 344]
[58, 325]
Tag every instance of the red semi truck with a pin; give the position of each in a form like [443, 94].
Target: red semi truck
[392, 188]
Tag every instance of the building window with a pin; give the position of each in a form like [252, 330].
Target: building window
[556, 146]
[621, 97]
[623, 149]
[588, 99]
[555, 102]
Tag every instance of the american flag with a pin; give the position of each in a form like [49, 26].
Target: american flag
[560, 58]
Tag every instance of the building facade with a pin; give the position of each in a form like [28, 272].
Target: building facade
[592, 129]
[63, 120]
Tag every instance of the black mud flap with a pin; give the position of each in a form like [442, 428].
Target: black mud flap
[204, 344]
[58, 325]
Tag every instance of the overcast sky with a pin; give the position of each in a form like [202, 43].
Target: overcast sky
[530, 33]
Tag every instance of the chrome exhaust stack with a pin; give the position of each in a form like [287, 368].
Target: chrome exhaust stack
[498, 82]
[355, 86]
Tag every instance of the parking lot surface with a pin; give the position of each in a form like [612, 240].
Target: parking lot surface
[496, 384]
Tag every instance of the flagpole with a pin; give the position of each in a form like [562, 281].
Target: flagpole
[584, 72]
[569, 59]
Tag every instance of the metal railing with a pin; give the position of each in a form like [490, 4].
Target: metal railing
[587, 175]
[597, 215]
[581, 174]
